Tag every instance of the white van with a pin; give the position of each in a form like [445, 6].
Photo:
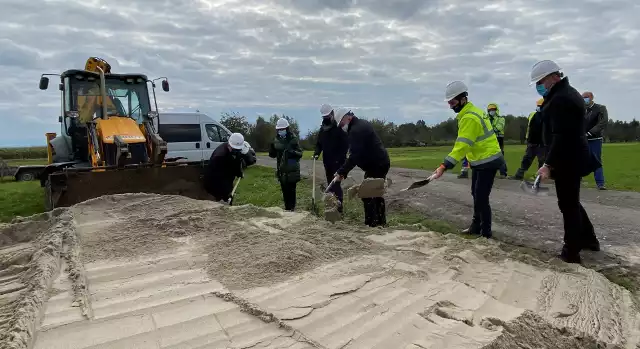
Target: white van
[192, 136]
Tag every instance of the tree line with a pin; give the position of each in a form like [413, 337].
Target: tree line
[261, 133]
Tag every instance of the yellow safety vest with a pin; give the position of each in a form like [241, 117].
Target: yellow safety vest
[529, 123]
[476, 140]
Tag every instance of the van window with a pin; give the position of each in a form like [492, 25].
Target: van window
[216, 134]
[175, 133]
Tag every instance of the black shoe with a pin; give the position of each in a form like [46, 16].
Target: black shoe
[602, 187]
[570, 258]
[487, 235]
[464, 174]
[516, 178]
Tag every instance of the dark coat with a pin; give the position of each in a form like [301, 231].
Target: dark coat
[563, 114]
[287, 153]
[365, 149]
[223, 168]
[535, 129]
[597, 119]
[334, 143]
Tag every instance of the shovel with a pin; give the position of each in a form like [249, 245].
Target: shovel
[533, 188]
[314, 206]
[233, 192]
[419, 184]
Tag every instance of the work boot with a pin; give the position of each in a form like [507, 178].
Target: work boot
[602, 187]
[502, 176]
[516, 177]
[464, 174]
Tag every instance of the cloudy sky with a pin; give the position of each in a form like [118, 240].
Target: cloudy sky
[384, 58]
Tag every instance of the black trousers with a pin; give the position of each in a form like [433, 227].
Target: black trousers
[503, 169]
[481, 185]
[330, 171]
[375, 209]
[532, 151]
[578, 230]
[288, 195]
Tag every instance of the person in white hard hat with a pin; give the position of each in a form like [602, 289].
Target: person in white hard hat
[367, 152]
[225, 164]
[249, 154]
[334, 144]
[286, 150]
[568, 158]
[478, 143]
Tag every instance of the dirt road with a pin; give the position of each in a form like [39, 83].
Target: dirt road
[520, 219]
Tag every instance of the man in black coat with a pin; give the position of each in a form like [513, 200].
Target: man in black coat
[367, 152]
[225, 164]
[568, 158]
[333, 142]
[597, 120]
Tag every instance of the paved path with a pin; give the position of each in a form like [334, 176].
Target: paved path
[518, 218]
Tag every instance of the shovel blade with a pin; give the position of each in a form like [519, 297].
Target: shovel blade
[418, 184]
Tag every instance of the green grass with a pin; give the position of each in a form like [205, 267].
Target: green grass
[20, 199]
[26, 162]
[621, 165]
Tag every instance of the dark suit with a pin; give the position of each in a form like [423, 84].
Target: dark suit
[568, 156]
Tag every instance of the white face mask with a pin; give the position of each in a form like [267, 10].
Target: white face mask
[345, 127]
[492, 112]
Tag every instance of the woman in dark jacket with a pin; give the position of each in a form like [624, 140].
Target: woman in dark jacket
[286, 150]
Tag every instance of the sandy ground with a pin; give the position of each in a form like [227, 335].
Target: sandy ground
[151, 271]
[521, 219]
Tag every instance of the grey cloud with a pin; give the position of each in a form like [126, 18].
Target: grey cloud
[388, 56]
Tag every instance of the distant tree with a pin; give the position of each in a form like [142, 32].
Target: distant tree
[235, 122]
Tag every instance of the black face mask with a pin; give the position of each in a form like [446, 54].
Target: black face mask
[458, 107]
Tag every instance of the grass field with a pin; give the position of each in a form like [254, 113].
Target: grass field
[259, 187]
[621, 162]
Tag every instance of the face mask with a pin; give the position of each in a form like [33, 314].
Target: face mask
[587, 101]
[457, 108]
[537, 108]
[345, 127]
[492, 112]
[282, 133]
[542, 91]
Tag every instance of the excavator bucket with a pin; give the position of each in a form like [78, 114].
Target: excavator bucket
[73, 185]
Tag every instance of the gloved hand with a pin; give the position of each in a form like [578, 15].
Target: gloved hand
[315, 156]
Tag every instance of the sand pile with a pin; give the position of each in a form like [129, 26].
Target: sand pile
[153, 263]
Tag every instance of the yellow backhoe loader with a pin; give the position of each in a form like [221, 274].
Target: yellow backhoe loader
[108, 142]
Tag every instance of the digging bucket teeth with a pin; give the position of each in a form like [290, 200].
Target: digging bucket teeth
[74, 185]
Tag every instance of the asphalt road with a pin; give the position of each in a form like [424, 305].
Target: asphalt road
[518, 218]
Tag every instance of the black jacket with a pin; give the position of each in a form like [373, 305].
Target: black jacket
[563, 114]
[334, 143]
[365, 148]
[221, 171]
[597, 119]
[535, 129]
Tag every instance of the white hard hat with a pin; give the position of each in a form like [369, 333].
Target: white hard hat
[325, 110]
[236, 141]
[453, 89]
[245, 147]
[338, 114]
[282, 123]
[542, 69]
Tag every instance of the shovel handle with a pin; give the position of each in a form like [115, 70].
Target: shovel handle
[536, 183]
[330, 185]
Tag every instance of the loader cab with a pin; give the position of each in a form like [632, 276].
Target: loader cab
[127, 96]
[191, 136]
